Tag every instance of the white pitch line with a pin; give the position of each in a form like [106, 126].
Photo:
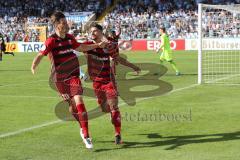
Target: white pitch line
[17, 96]
[20, 84]
[183, 88]
[44, 97]
[173, 91]
[223, 78]
[29, 129]
[59, 121]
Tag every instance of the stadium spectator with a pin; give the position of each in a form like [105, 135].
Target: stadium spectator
[15, 15]
[139, 18]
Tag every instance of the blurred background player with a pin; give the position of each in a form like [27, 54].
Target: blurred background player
[100, 72]
[166, 54]
[65, 69]
[3, 47]
[83, 75]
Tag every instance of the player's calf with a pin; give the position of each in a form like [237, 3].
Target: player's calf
[73, 110]
[116, 121]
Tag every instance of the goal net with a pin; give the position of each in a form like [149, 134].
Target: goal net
[219, 44]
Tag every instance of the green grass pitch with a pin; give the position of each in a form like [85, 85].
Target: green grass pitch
[207, 127]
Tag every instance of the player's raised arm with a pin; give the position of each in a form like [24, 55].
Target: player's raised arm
[82, 47]
[87, 47]
[36, 62]
[119, 31]
[125, 62]
[45, 50]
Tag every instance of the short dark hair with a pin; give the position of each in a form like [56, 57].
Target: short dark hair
[98, 26]
[56, 16]
[163, 28]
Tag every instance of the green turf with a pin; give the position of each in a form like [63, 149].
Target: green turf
[196, 123]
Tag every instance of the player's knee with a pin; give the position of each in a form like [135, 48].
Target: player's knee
[72, 109]
[78, 99]
[112, 104]
[105, 107]
[161, 59]
[114, 108]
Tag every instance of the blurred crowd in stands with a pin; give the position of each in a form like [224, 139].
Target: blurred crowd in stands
[17, 15]
[141, 19]
[43, 8]
[138, 18]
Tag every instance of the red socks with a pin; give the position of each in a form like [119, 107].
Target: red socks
[116, 121]
[74, 112]
[83, 119]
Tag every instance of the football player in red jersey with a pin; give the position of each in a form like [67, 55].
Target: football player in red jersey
[100, 72]
[65, 68]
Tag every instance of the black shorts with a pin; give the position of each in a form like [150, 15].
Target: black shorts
[3, 47]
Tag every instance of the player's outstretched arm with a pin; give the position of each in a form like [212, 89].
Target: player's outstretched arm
[119, 30]
[36, 62]
[88, 47]
[128, 64]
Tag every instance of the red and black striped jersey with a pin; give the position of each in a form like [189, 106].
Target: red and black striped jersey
[99, 67]
[116, 38]
[65, 63]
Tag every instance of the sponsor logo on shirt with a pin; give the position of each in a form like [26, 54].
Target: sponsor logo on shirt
[100, 58]
[65, 51]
